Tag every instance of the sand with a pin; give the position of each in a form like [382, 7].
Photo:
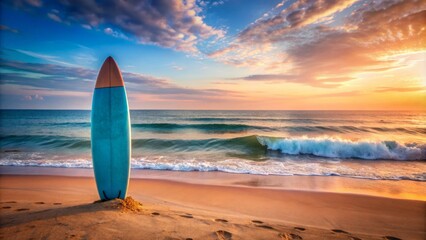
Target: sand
[66, 207]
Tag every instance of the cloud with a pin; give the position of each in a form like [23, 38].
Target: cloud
[47, 76]
[297, 15]
[337, 94]
[35, 97]
[210, 4]
[400, 89]
[59, 78]
[48, 58]
[326, 82]
[275, 25]
[25, 4]
[268, 77]
[172, 24]
[218, 3]
[304, 46]
[86, 26]
[113, 33]
[108, 31]
[54, 17]
[7, 28]
[177, 68]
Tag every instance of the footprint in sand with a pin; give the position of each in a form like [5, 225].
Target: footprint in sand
[289, 236]
[6, 207]
[223, 235]
[391, 238]
[39, 202]
[10, 202]
[221, 220]
[187, 215]
[155, 213]
[57, 203]
[339, 231]
[188, 238]
[22, 209]
[354, 238]
[300, 228]
[265, 227]
[261, 225]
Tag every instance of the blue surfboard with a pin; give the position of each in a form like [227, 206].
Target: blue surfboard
[110, 135]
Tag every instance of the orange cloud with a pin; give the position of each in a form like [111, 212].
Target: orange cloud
[322, 55]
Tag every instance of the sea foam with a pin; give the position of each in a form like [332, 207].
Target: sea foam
[341, 148]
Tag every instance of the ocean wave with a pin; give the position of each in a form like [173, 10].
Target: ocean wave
[238, 128]
[232, 165]
[11, 142]
[252, 147]
[220, 128]
[249, 145]
[288, 120]
[341, 148]
[207, 128]
[68, 124]
[281, 168]
[248, 119]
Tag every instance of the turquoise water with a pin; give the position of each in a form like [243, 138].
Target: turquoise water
[362, 144]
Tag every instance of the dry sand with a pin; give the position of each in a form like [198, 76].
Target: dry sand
[60, 207]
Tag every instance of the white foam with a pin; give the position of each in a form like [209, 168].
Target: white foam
[284, 167]
[341, 148]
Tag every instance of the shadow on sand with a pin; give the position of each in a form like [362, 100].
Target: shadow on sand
[21, 217]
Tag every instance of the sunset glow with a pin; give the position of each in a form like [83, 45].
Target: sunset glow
[262, 55]
[213, 119]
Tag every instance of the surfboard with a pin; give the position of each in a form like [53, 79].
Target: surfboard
[110, 133]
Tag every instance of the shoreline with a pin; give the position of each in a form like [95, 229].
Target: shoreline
[197, 209]
[395, 189]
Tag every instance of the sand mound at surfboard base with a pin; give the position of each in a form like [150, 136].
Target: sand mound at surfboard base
[126, 205]
[129, 204]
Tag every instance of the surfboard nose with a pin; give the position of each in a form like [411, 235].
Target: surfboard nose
[109, 75]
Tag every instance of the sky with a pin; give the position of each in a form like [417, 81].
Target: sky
[216, 54]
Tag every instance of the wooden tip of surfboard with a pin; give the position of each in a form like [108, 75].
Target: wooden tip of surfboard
[109, 75]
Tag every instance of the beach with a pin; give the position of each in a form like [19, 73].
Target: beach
[213, 120]
[219, 175]
[52, 203]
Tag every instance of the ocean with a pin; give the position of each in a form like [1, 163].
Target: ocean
[357, 144]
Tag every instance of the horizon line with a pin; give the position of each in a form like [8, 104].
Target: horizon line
[153, 109]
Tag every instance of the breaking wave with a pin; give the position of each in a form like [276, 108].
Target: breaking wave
[253, 145]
